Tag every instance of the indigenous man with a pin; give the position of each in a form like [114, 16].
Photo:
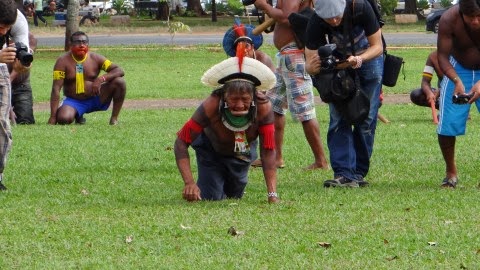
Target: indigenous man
[427, 94]
[224, 130]
[85, 90]
[458, 48]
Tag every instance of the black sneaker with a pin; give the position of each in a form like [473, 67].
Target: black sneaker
[362, 183]
[340, 182]
[2, 187]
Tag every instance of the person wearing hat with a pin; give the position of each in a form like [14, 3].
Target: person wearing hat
[341, 22]
[240, 37]
[224, 129]
[293, 90]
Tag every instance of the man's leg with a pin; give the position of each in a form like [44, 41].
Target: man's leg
[22, 102]
[279, 133]
[447, 145]
[118, 98]
[312, 133]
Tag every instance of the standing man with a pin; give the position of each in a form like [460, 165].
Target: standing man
[13, 25]
[38, 12]
[458, 46]
[85, 89]
[351, 146]
[294, 85]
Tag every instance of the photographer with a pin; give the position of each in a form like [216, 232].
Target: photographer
[341, 22]
[12, 25]
[22, 98]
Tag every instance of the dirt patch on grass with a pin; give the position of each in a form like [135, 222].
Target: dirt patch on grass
[192, 103]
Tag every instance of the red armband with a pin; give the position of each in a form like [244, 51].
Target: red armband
[185, 133]
[268, 132]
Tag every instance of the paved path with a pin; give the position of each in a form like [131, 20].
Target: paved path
[192, 103]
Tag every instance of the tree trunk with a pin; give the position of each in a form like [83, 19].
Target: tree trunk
[195, 7]
[162, 11]
[214, 11]
[72, 21]
[411, 6]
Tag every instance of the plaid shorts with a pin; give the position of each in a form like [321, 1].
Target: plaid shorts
[293, 82]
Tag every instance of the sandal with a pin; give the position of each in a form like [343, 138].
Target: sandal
[449, 182]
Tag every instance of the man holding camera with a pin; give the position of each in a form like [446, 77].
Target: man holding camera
[85, 89]
[294, 86]
[12, 25]
[343, 22]
[458, 47]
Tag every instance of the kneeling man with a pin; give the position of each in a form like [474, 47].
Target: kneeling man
[223, 132]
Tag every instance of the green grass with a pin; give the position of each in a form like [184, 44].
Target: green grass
[76, 193]
[168, 71]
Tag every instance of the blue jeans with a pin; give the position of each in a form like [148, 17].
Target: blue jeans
[351, 146]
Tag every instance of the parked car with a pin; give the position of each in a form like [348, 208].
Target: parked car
[432, 20]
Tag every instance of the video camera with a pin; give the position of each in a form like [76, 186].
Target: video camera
[248, 2]
[328, 61]
[461, 99]
[23, 55]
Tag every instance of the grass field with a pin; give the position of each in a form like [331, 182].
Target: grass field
[109, 197]
[103, 197]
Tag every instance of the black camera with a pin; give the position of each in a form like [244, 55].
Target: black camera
[461, 99]
[23, 55]
[328, 61]
[248, 2]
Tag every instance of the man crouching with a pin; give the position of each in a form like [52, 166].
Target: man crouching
[223, 132]
[85, 89]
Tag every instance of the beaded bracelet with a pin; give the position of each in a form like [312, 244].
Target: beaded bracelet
[359, 61]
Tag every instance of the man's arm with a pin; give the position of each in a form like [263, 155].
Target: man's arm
[427, 75]
[57, 84]
[281, 13]
[19, 30]
[312, 61]
[445, 38]
[189, 132]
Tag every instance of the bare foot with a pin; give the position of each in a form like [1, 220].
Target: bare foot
[113, 122]
[315, 166]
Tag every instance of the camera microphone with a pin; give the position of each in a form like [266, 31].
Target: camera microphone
[326, 50]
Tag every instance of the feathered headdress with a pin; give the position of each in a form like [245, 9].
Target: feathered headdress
[240, 32]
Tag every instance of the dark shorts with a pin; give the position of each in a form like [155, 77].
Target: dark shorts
[220, 177]
[89, 105]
